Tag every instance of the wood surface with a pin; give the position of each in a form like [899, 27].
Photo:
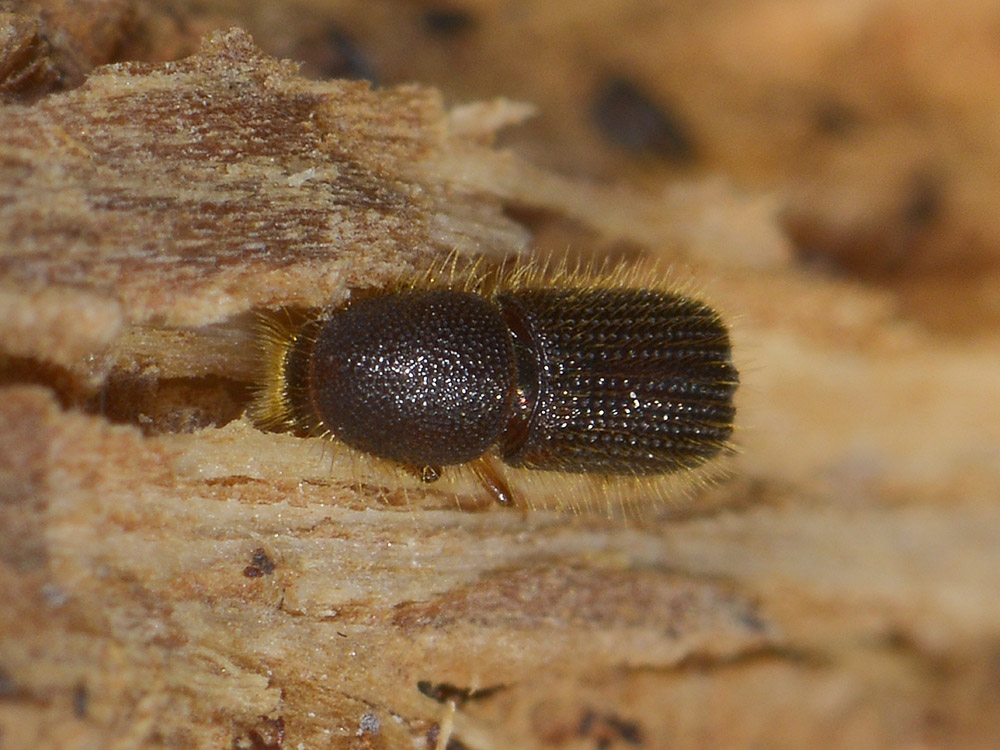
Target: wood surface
[177, 578]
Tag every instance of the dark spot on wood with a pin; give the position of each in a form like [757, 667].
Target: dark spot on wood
[924, 199]
[7, 687]
[335, 54]
[876, 243]
[628, 117]
[629, 731]
[431, 738]
[260, 564]
[262, 561]
[448, 22]
[752, 621]
[609, 729]
[269, 735]
[81, 699]
[835, 119]
[444, 692]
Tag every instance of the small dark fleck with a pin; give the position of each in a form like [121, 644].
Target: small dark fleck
[431, 738]
[608, 729]
[336, 54]
[444, 692]
[448, 21]
[260, 564]
[7, 687]
[629, 731]
[275, 731]
[628, 117]
[262, 561]
[751, 620]
[80, 700]
[936, 719]
[924, 199]
[835, 119]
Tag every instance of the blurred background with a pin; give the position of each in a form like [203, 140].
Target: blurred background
[872, 122]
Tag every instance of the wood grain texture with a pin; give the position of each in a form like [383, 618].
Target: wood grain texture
[176, 578]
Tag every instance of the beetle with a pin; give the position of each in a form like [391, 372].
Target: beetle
[574, 375]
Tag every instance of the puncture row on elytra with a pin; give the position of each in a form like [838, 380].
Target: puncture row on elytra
[574, 372]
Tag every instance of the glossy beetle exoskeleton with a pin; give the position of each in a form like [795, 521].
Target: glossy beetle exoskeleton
[584, 379]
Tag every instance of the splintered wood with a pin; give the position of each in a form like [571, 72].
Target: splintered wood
[177, 578]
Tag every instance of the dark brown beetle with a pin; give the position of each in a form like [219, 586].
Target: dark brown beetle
[576, 377]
